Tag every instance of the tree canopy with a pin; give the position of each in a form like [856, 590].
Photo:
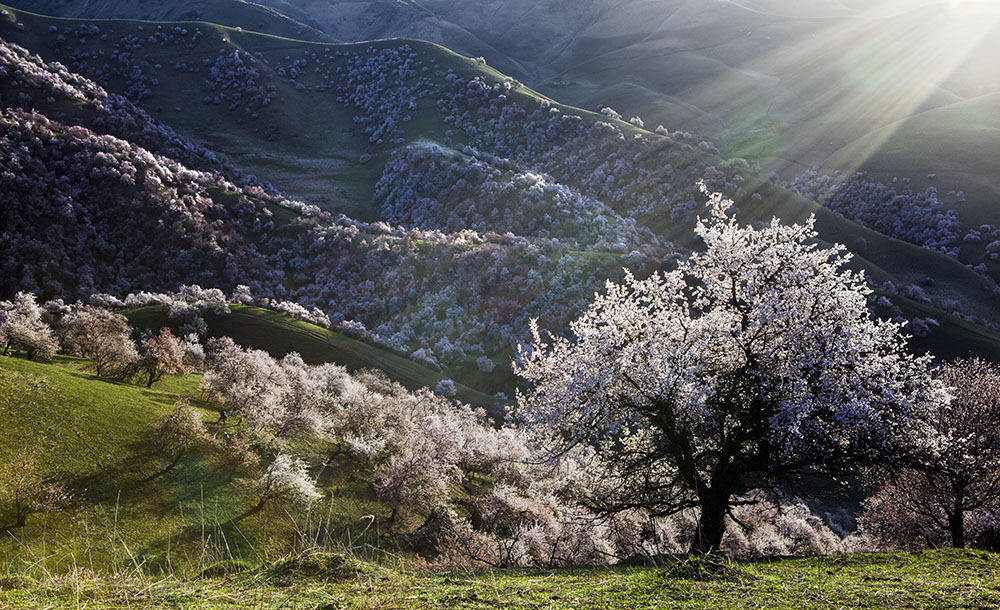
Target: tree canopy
[754, 361]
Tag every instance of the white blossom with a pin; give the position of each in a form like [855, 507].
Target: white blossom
[754, 360]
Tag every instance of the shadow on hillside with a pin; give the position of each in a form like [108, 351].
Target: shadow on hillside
[109, 480]
[163, 398]
[159, 397]
[93, 376]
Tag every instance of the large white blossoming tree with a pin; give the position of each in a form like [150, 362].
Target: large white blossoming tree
[752, 363]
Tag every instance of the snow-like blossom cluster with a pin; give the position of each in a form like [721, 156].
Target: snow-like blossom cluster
[754, 359]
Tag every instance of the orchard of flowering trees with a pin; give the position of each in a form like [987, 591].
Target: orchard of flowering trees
[520, 211]
[754, 362]
[684, 401]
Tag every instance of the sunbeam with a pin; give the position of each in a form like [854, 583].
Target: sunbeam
[828, 76]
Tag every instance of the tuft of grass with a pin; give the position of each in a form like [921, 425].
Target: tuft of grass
[316, 565]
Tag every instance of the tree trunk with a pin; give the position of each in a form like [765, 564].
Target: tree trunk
[712, 523]
[253, 511]
[956, 524]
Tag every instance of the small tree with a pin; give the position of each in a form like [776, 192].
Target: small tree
[286, 479]
[22, 485]
[160, 355]
[102, 336]
[179, 433]
[754, 362]
[22, 328]
[249, 381]
[962, 473]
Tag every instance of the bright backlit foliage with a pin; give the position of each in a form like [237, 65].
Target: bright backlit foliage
[754, 360]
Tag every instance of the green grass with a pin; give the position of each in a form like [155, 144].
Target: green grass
[94, 436]
[932, 579]
[78, 422]
[279, 334]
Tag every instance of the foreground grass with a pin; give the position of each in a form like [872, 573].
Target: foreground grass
[931, 579]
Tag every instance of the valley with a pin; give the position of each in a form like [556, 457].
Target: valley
[384, 234]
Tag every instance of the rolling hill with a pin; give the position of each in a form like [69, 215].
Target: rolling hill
[762, 79]
[428, 208]
[97, 438]
[231, 13]
[279, 335]
[437, 145]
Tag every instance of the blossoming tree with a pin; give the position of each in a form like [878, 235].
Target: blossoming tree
[959, 478]
[753, 362]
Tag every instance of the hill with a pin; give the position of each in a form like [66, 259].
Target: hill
[962, 135]
[231, 13]
[93, 435]
[489, 203]
[279, 335]
[765, 80]
[137, 500]
[111, 476]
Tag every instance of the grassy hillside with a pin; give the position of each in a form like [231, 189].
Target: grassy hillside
[232, 13]
[77, 422]
[279, 334]
[950, 148]
[93, 435]
[933, 579]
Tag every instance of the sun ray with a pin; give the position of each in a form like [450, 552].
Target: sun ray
[859, 76]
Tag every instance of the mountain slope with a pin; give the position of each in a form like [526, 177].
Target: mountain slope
[506, 205]
[964, 136]
[766, 71]
[231, 13]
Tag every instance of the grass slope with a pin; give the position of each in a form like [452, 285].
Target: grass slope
[79, 423]
[94, 436]
[956, 144]
[232, 13]
[278, 334]
[933, 579]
